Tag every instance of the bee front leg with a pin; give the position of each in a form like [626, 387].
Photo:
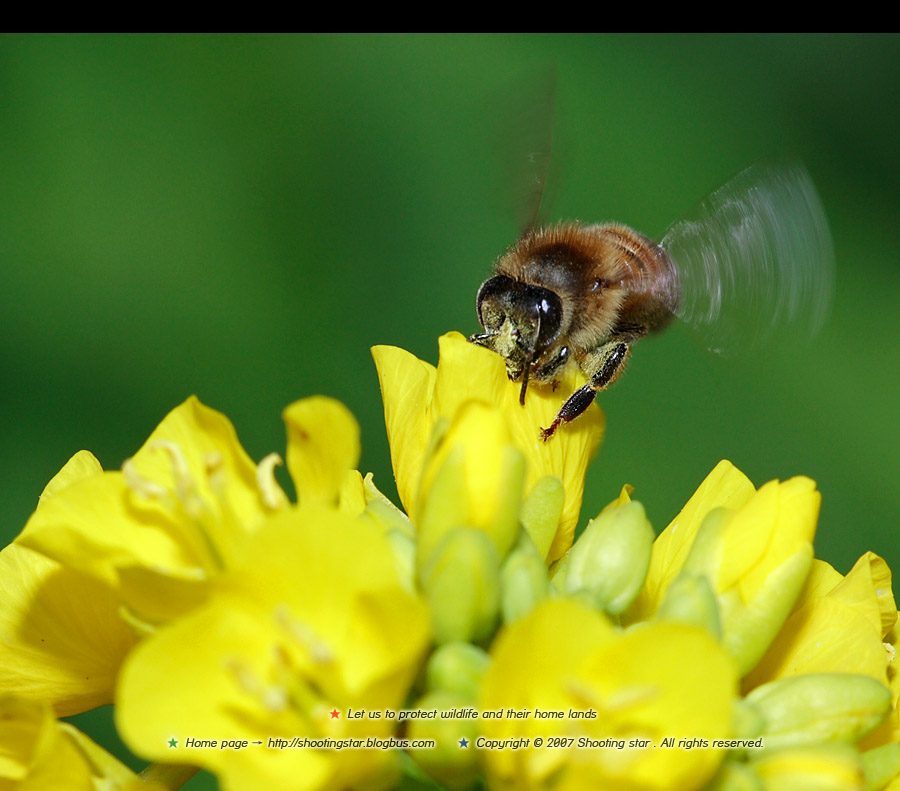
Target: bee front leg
[604, 365]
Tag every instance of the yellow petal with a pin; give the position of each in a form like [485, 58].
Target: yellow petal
[651, 680]
[205, 438]
[185, 504]
[823, 636]
[314, 619]
[407, 389]
[472, 477]
[322, 447]
[98, 524]
[837, 626]
[867, 588]
[725, 487]
[40, 753]
[36, 754]
[773, 524]
[352, 494]
[822, 578]
[61, 637]
[82, 465]
[643, 684]
[417, 396]
[468, 371]
[533, 661]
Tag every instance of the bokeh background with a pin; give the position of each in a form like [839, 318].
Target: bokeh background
[242, 217]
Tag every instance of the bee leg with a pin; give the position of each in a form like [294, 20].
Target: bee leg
[485, 339]
[553, 366]
[607, 363]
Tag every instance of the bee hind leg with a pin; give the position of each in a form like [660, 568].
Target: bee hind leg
[604, 365]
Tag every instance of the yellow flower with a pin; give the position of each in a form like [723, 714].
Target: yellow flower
[473, 477]
[40, 753]
[753, 548]
[643, 684]
[183, 508]
[838, 625]
[313, 620]
[418, 396]
[61, 636]
[725, 487]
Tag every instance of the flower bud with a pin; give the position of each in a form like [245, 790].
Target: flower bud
[748, 723]
[817, 707]
[756, 571]
[735, 776]
[403, 549]
[523, 580]
[461, 583]
[610, 559]
[541, 511]
[881, 765]
[448, 762]
[690, 599]
[457, 668]
[399, 534]
[474, 477]
[832, 767]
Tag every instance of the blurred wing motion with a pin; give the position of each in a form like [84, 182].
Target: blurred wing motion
[755, 260]
[525, 118]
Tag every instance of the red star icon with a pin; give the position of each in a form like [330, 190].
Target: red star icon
[335, 714]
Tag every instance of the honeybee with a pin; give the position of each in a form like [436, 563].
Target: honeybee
[752, 260]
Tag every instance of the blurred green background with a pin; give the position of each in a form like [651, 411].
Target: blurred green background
[242, 217]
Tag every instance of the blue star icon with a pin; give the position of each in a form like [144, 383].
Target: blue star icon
[464, 742]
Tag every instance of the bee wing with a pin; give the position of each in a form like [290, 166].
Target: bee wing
[754, 260]
[525, 114]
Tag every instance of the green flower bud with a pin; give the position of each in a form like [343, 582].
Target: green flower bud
[690, 599]
[457, 668]
[735, 776]
[558, 572]
[404, 550]
[881, 765]
[748, 722]
[399, 534]
[461, 583]
[757, 559]
[523, 580]
[821, 767]
[448, 762]
[388, 517]
[817, 707]
[474, 476]
[541, 511]
[610, 559]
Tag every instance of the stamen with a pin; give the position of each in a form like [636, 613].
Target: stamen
[621, 700]
[318, 651]
[272, 697]
[273, 495]
[185, 488]
[149, 490]
[214, 464]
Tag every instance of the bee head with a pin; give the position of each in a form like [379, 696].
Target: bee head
[521, 322]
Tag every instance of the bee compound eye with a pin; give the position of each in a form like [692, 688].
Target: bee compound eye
[548, 308]
[496, 292]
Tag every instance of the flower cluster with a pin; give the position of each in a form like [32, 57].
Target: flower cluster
[337, 641]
